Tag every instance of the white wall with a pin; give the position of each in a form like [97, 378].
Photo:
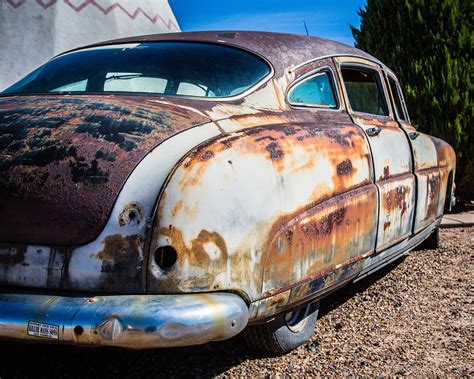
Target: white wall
[32, 31]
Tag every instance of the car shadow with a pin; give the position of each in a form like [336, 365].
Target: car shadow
[19, 360]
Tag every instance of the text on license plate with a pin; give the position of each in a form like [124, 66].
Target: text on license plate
[40, 329]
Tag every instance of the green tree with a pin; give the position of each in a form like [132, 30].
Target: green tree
[428, 44]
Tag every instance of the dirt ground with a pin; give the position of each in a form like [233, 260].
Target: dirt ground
[414, 318]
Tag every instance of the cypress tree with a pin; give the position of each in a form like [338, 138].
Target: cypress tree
[428, 45]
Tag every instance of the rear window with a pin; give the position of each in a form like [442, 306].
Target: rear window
[364, 91]
[165, 68]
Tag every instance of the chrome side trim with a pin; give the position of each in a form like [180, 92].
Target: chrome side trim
[131, 321]
[373, 60]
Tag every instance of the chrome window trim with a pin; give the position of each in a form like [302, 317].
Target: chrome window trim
[309, 75]
[297, 67]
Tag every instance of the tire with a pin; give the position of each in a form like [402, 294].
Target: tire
[284, 333]
[432, 242]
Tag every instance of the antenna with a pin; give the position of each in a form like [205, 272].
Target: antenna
[306, 28]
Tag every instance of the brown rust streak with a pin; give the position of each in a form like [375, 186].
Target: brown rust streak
[432, 196]
[313, 234]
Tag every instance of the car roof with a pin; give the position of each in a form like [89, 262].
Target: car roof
[281, 49]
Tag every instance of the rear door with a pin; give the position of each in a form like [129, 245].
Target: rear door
[366, 94]
[429, 177]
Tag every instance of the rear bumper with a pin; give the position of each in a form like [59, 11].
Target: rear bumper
[131, 321]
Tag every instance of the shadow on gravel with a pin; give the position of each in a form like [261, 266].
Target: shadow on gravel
[198, 361]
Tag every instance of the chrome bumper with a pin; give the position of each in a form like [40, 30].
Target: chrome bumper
[135, 322]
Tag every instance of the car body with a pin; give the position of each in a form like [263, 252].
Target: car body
[147, 212]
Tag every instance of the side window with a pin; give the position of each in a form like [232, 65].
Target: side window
[397, 99]
[315, 91]
[364, 90]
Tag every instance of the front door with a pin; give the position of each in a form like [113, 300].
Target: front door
[369, 108]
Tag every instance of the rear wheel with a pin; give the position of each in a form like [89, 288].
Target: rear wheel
[284, 333]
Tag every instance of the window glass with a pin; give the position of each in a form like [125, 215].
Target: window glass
[72, 87]
[364, 91]
[190, 89]
[167, 68]
[396, 99]
[316, 91]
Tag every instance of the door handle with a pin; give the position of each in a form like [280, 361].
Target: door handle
[413, 135]
[372, 132]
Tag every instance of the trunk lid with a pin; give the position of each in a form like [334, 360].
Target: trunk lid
[64, 159]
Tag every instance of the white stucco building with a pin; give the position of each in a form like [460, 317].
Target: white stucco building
[32, 31]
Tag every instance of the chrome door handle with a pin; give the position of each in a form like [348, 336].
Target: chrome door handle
[372, 132]
[413, 135]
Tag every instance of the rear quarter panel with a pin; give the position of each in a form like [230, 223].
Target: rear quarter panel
[259, 210]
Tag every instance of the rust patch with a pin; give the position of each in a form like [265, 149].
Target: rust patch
[275, 151]
[386, 172]
[386, 225]
[289, 235]
[206, 155]
[122, 263]
[396, 198]
[228, 141]
[215, 261]
[334, 218]
[344, 168]
[325, 225]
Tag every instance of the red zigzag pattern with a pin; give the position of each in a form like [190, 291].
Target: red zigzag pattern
[105, 10]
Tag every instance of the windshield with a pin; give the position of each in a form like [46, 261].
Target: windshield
[166, 68]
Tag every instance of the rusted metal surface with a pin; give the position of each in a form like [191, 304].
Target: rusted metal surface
[225, 234]
[397, 197]
[275, 203]
[115, 260]
[64, 160]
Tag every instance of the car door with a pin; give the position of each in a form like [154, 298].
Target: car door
[368, 105]
[430, 179]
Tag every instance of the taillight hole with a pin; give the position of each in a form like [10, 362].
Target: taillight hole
[165, 257]
[78, 330]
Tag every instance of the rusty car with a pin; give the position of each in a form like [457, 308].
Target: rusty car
[176, 189]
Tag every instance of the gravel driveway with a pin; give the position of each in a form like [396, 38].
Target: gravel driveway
[414, 318]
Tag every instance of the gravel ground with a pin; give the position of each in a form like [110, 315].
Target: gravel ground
[414, 318]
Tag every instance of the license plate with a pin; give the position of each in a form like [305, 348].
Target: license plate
[40, 329]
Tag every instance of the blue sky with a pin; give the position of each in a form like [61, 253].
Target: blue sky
[327, 19]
